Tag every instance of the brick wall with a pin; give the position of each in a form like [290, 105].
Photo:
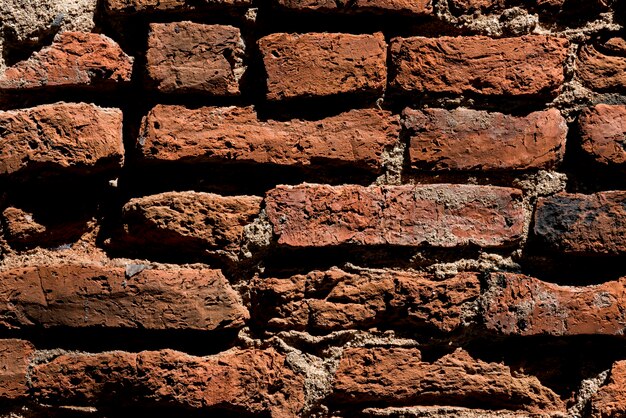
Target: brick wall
[312, 208]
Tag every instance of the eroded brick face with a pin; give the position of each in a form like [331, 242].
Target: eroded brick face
[312, 208]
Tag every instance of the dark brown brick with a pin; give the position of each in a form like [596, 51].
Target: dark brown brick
[405, 7]
[583, 224]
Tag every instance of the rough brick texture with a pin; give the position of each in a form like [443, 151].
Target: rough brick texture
[530, 65]
[416, 8]
[337, 300]
[249, 381]
[603, 134]
[312, 208]
[522, 305]
[190, 220]
[583, 224]
[399, 376]
[235, 134]
[323, 64]
[15, 356]
[79, 136]
[444, 216]
[465, 139]
[75, 59]
[93, 296]
[187, 57]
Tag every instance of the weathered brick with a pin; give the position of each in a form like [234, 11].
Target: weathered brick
[602, 71]
[151, 6]
[336, 300]
[407, 7]
[187, 57]
[583, 224]
[603, 134]
[610, 400]
[236, 134]
[71, 295]
[75, 136]
[515, 304]
[189, 221]
[528, 65]
[323, 64]
[464, 139]
[400, 376]
[15, 357]
[75, 59]
[441, 215]
[250, 381]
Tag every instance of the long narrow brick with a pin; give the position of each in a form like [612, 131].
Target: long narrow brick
[323, 64]
[75, 59]
[91, 296]
[464, 139]
[337, 300]
[515, 304]
[236, 134]
[441, 215]
[77, 136]
[15, 356]
[583, 224]
[603, 134]
[528, 65]
[405, 7]
[610, 400]
[189, 221]
[602, 70]
[130, 7]
[250, 381]
[187, 57]
[398, 376]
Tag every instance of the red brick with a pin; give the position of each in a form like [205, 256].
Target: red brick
[236, 134]
[152, 6]
[189, 221]
[520, 305]
[15, 358]
[583, 224]
[336, 300]
[603, 134]
[610, 400]
[250, 381]
[63, 135]
[464, 139]
[407, 7]
[399, 376]
[187, 57]
[75, 59]
[323, 64]
[528, 65]
[441, 215]
[600, 71]
[96, 296]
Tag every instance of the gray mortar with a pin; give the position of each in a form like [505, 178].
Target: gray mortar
[449, 412]
[588, 388]
[392, 161]
[257, 236]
